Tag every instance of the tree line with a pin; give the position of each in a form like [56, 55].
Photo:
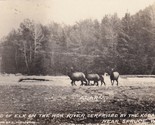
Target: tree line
[125, 44]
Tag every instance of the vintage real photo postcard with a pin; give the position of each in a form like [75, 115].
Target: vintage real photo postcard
[77, 62]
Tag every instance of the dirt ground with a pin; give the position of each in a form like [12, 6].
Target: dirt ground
[56, 102]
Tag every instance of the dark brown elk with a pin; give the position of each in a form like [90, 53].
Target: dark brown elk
[77, 76]
[114, 77]
[96, 78]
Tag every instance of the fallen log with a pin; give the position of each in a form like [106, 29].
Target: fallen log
[39, 79]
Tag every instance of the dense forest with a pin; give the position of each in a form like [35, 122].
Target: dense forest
[126, 44]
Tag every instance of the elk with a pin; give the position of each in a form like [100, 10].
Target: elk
[114, 75]
[95, 78]
[77, 76]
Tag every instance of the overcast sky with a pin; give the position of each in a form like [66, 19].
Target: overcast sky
[12, 12]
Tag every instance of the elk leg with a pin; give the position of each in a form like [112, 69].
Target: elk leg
[72, 82]
[81, 83]
[117, 82]
[103, 82]
[89, 82]
[85, 82]
[112, 82]
[97, 83]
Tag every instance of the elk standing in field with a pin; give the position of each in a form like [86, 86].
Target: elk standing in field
[96, 78]
[77, 76]
[114, 77]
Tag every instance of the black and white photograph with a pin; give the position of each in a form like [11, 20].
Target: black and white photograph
[77, 62]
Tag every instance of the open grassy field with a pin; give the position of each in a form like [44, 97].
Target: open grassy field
[56, 102]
